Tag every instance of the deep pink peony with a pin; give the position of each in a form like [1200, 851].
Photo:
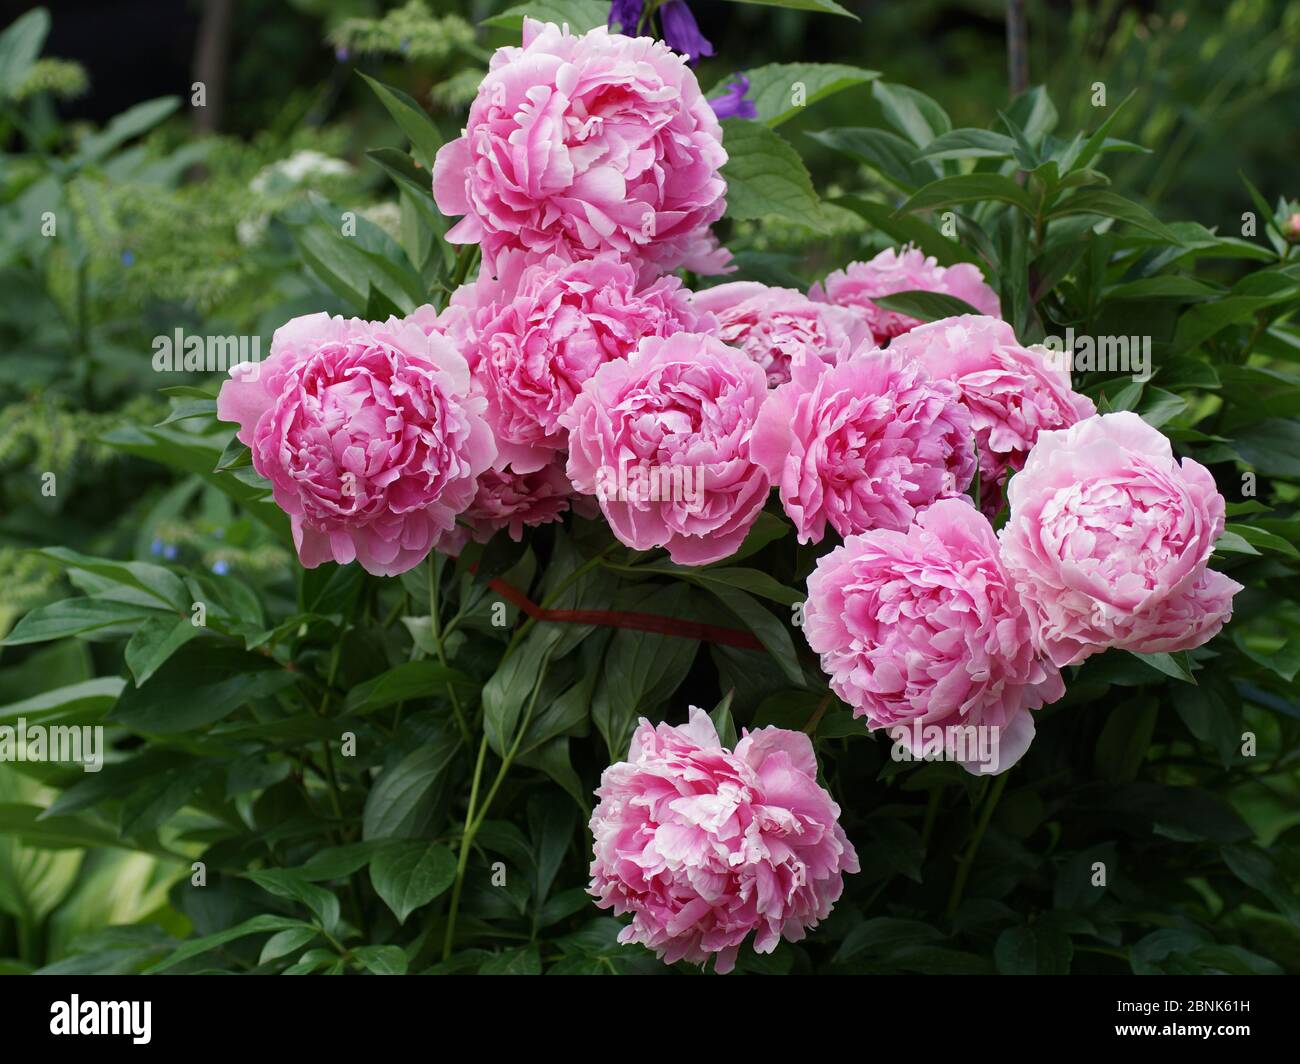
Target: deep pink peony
[923, 629]
[662, 440]
[513, 501]
[1108, 538]
[776, 326]
[579, 144]
[704, 845]
[864, 444]
[541, 329]
[891, 272]
[1012, 392]
[368, 434]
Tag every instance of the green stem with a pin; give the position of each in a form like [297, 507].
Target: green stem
[477, 813]
[466, 838]
[968, 859]
[435, 625]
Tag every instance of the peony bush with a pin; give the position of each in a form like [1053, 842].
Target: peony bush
[978, 612]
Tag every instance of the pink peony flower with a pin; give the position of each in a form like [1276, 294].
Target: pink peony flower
[512, 501]
[924, 629]
[541, 329]
[1013, 392]
[662, 440]
[704, 845]
[891, 272]
[775, 326]
[579, 144]
[368, 434]
[1108, 539]
[864, 444]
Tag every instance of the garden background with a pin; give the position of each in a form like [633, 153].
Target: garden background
[221, 220]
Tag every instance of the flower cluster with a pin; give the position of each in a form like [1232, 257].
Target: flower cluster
[576, 374]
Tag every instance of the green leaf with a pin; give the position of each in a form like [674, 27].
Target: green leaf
[722, 721]
[20, 45]
[381, 960]
[199, 685]
[765, 176]
[1112, 205]
[888, 154]
[581, 15]
[1284, 661]
[508, 692]
[281, 882]
[524, 961]
[970, 144]
[927, 306]
[161, 584]
[774, 635]
[85, 701]
[912, 113]
[30, 824]
[129, 124]
[552, 824]
[1256, 869]
[335, 862]
[968, 188]
[1258, 537]
[1177, 665]
[411, 679]
[823, 7]
[882, 935]
[411, 874]
[1093, 145]
[755, 581]
[192, 408]
[905, 229]
[642, 670]
[1038, 950]
[772, 87]
[767, 529]
[194, 947]
[285, 942]
[1124, 741]
[400, 802]
[73, 617]
[156, 640]
[415, 123]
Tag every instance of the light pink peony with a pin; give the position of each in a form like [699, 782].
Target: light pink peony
[662, 440]
[579, 144]
[368, 434]
[541, 329]
[891, 272]
[512, 501]
[864, 444]
[1012, 392]
[924, 628]
[776, 326]
[704, 845]
[1108, 538]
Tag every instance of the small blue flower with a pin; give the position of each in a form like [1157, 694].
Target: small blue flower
[625, 16]
[221, 567]
[128, 257]
[156, 547]
[169, 551]
[341, 54]
[732, 103]
[681, 32]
